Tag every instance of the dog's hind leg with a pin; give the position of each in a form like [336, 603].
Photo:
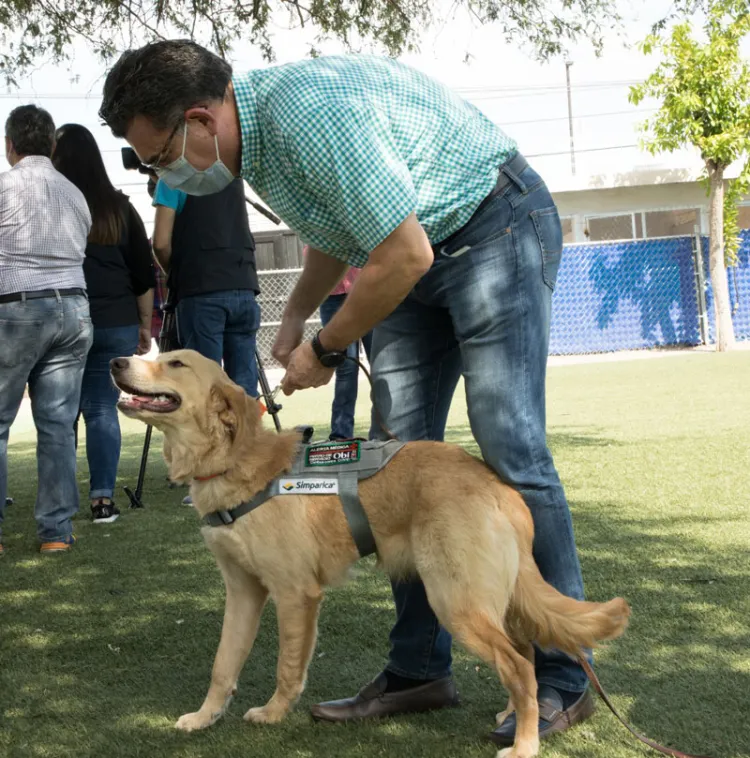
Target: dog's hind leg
[486, 639]
[466, 610]
[526, 649]
[298, 629]
[246, 597]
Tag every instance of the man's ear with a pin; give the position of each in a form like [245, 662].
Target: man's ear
[204, 115]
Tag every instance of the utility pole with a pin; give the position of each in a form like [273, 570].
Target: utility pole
[568, 64]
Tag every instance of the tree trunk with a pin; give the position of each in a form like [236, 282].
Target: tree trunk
[719, 283]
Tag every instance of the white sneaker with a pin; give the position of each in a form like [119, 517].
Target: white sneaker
[187, 500]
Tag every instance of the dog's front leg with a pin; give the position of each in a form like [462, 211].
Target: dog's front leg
[298, 629]
[246, 597]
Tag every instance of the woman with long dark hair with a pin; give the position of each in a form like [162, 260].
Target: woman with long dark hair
[119, 280]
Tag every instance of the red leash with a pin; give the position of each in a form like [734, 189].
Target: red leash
[645, 740]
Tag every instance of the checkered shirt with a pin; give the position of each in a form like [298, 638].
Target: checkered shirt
[44, 224]
[344, 148]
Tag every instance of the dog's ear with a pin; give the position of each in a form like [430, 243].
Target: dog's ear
[237, 411]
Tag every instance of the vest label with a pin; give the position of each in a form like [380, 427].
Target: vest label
[333, 453]
[310, 486]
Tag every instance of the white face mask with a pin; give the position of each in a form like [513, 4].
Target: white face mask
[182, 175]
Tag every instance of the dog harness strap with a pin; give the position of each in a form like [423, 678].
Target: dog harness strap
[356, 517]
[340, 464]
[224, 518]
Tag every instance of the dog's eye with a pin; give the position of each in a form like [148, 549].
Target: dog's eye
[176, 364]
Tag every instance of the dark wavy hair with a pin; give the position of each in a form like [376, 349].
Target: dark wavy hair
[31, 130]
[161, 81]
[78, 159]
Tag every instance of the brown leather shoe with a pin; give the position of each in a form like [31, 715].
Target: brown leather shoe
[552, 717]
[372, 701]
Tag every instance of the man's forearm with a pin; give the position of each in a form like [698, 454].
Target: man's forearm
[145, 308]
[321, 273]
[394, 267]
[376, 293]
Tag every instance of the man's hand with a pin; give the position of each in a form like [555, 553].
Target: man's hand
[144, 341]
[288, 338]
[304, 370]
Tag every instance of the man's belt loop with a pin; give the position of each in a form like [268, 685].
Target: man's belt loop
[508, 171]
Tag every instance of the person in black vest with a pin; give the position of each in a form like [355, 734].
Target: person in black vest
[119, 277]
[204, 245]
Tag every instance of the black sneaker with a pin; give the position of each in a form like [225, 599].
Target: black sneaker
[104, 513]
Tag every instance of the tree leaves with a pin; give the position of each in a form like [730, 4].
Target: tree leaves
[35, 29]
[704, 89]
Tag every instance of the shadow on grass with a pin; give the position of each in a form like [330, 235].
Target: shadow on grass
[104, 648]
[560, 439]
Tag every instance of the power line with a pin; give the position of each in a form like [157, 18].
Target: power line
[584, 150]
[505, 90]
[604, 83]
[631, 112]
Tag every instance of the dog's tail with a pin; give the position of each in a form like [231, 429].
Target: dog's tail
[556, 621]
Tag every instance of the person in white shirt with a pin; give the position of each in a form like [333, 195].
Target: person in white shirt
[45, 325]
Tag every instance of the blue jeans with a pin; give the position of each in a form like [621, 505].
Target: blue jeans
[99, 406]
[45, 342]
[484, 314]
[223, 326]
[347, 376]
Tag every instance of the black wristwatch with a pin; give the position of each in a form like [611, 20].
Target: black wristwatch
[328, 358]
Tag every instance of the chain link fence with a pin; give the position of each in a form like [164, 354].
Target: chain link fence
[275, 289]
[609, 296]
[739, 289]
[625, 296]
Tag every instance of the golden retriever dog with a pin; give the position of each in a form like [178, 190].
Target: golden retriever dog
[434, 510]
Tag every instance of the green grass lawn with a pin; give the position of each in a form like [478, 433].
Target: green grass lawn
[101, 650]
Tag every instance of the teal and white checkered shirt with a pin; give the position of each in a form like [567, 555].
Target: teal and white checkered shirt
[344, 148]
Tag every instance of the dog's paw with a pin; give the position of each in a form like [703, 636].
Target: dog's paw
[515, 752]
[264, 715]
[503, 715]
[192, 722]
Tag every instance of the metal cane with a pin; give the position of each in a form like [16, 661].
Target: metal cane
[269, 399]
[167, 342]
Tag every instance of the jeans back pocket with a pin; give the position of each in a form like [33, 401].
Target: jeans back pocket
[549, 231]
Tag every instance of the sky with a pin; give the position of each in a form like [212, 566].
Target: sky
[527, 98]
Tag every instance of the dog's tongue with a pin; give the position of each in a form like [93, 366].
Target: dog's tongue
[136, 401]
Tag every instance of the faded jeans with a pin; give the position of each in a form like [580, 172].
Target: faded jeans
[484, 314]
[44, 343]
[347, 376]
[99, 406]
[223, 326]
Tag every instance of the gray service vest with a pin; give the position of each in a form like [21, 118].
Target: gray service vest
[325, 468]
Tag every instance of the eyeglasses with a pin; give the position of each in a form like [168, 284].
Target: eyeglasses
[155, 162]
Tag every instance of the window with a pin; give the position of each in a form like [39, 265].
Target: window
[602, 228]
[743, 217]
[567, 229]
[648, 224]
[679, 223]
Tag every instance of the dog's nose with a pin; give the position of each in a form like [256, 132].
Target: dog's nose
[119, 364]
